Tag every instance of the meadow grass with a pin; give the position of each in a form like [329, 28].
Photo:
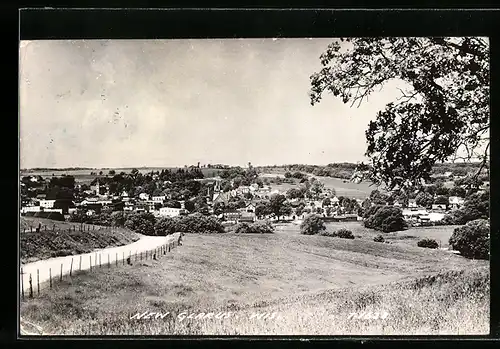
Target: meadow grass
[312, 282]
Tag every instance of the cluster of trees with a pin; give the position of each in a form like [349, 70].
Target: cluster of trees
[147, 224]
[312, 224]
[278, 206]
[340, 233]
[337, 170]
[384, 218]
[190, 224]
[476, 206]
[180, 183]
[254, 228]
[473, 239]
[240, 176]
[461, 169]
[439, 73]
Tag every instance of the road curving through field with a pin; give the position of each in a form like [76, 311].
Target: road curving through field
[41, 271]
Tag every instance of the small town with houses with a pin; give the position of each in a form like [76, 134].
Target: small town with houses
[216, 195]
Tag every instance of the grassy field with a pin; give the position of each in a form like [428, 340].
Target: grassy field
[312, 282]
[63, 241]
[342, 187]
[408, 237]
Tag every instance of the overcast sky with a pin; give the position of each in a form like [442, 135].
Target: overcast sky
[132, 103]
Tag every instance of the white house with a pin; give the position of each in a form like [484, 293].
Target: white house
[144, 196]
[171, 212]
[47, 203]
[456, 201]
[439, 206]
[160, 198]
[30, 209]
[412, 203]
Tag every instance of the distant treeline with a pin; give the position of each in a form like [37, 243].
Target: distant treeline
[345, 170]
[56, 169]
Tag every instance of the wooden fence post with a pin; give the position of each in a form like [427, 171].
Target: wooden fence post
[123, 258]
[109, 265]
[60, 278]
[100, 265]
[31, 287]
[141, 255]
[38, 281]
[22, 283]
[80, 263]
[71, 267]
[116, 259]
[90, 258]
[50, 277]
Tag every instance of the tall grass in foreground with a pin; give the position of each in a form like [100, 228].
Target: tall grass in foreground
[450, 303]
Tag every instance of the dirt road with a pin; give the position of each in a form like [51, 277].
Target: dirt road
[54, 267]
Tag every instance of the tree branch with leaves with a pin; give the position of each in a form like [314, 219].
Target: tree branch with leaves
[444, 112]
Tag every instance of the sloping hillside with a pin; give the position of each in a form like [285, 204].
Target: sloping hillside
[315, 282]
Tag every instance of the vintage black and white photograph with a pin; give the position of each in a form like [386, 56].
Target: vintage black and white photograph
[275, 186]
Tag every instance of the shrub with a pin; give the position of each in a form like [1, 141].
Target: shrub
[198, 223]
[428, 243]
[472, 240]
[385, 218]
[312, 224]
[118, 219]
[341, 233]
[254, 228]
[344, 234]
[143, 223]
[166, 225]
[379, 238]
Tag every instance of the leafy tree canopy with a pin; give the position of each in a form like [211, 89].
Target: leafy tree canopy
[443, 113]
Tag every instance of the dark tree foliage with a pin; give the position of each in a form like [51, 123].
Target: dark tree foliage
[428, 243]
[142, 223]
[444, 109]
[341, 233]
[385, 218]
[424, 199]
[312, 224]
[196, 223]
[472, 240]
[476, 206]
[254, 228]
[441, 200]
[279, 206]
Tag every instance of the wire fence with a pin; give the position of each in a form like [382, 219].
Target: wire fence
[40, 228]
[34, 280]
